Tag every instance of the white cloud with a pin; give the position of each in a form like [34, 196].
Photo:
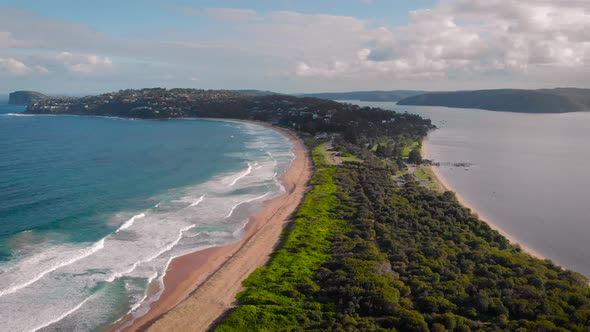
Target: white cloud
[473, 36]
[13, 66]
[456, 44]
[40, 69]
[17, 67]
[84, 63]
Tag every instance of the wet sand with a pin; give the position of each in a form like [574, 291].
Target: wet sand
[201, 286]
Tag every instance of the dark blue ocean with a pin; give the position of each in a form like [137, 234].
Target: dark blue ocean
[93, 209]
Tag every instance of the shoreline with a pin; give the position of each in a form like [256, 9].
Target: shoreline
[199, 287]
[443, 183]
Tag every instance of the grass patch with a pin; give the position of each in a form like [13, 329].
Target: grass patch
[425, 174]
[409, 146]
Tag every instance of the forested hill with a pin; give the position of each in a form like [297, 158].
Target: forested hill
[393, 95]
[559, 100]
[309, 115]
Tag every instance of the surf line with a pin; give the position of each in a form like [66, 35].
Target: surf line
[130, 222]
[83, 254]
[198, 201]
[244, 202]
[246, 172]
[62, 316]
[164, 249]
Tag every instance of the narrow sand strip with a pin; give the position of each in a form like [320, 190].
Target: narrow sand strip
[445, 185]
[201, 286]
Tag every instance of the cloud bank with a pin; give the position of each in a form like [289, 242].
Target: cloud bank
[471, 37]
[457, 44]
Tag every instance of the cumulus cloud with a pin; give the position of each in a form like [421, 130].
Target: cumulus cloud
[84, 63]
[13, 66]
[475, 36]
[456, 41]
[17, 67]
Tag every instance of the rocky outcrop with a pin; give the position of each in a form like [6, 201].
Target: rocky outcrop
[25, 97]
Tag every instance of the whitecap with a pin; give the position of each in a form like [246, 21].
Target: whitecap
[130, 222]
[64, 315]
[82, 253]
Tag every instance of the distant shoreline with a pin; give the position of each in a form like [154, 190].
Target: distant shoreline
[446, 187]
[201, 286]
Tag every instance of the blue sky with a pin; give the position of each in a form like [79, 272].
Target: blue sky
[292, 46]
[121, 17]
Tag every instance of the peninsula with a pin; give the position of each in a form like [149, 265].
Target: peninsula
[369, 248]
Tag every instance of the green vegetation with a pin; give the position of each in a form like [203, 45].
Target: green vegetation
[409, 147]
[334, 157]
[369, 248]
[425, 174]
[365, 254]
[349, 157]
[414, 157]
[278, 295]
[558, 100]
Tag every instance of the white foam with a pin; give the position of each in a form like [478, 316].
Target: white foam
[165, 249]
[64, 315]
[19, 114]
[120, 274]
[145, 254]
[241, 176]
[170, 245]
[278, 183]
[83, 253]
[244, 202]
[130, 222]
[197, 202]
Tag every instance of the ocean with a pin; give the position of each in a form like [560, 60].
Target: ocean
[92, 210]
[529, 174]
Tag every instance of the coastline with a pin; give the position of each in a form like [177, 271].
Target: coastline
[199, 287]
[446, 187]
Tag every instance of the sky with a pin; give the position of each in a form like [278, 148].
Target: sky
[82, 47]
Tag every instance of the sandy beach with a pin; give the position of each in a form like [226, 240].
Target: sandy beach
[201, 286]
[446, 187]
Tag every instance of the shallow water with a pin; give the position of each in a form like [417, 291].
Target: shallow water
[93, 209]
[529, 174]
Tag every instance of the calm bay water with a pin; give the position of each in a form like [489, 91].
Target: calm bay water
[530, 174]
[92, 210]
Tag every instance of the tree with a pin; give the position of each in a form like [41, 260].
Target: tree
[414, 157]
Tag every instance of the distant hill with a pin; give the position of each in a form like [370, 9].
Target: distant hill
[254, 93]
[25, 97]
[393, 95]
[560, 100]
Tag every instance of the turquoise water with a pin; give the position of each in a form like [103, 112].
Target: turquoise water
[93, 209]
[529, 174]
